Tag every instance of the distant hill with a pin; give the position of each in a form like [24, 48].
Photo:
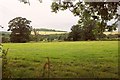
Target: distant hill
[50, 30]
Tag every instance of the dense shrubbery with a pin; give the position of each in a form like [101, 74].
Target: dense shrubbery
[5, 37]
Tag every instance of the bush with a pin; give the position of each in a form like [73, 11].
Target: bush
[5, 39]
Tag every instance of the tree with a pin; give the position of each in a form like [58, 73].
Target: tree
[36, 35]
[75, 33]
[20, 28]
[86, 32]
[99, 12]
[91, 30]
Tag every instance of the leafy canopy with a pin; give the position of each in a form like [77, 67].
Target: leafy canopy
[102, 12]
[20, 28]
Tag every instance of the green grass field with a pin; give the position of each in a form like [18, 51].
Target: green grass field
[89, 59]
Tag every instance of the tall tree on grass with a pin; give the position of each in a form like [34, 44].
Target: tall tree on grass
[87, 32]
[21, 30]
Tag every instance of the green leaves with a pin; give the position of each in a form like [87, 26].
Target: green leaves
[99, 11]
[75, 33]
[18, 22]
[55, 7]
[20, 28]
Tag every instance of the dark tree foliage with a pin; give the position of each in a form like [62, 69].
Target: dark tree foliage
[93, 16]
[103, 11]
[88, 32]
[21, 30]
[28, 1]
[75, 33]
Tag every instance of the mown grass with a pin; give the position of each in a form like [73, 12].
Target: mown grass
[89, 59]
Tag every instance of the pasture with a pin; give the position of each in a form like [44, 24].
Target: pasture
[82, 59]
[48, 32]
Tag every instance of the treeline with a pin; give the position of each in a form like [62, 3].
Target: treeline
[38, 37]
[60, 37]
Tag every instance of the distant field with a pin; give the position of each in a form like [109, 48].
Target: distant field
[52, 32]
[89, 59]
[48, 32]
[115, 32]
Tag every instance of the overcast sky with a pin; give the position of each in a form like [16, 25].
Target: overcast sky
[39, 13]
